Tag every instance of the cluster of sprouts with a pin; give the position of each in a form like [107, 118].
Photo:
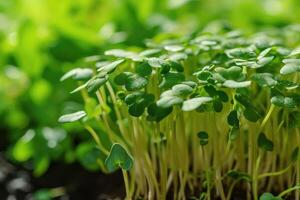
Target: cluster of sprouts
[197, 116]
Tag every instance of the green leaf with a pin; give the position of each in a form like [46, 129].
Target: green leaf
[222, 96]
[232, 73]
[109, 68]
[72, 117]
[264, 143]
[137, 102]
[174, 48]
[23, 149]
[136, 110]
[235, 84]
[94, 84]
[135, 82]
[269, 196]
[119, 53]
[118, 158]
[170, 79]
[203, 136]
[204, 75]
[155, 62]
[264, 61]
[282, 101]
[232, 119]
[149, 52]
[233, 133]
[237, 175]
[240, 53]
[291, 66]
[122, 78]
[182, 89]
[264, 79]
[192, 104]
[143, 69]
[156, 113]
[78, 74]
[217, 105]
[251, 115]
[168, 101]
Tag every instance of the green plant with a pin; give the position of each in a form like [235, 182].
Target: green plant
[196, 113]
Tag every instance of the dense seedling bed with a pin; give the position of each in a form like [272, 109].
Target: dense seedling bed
[197, 116]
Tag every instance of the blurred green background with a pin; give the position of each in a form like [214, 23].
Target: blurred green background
[42, 39]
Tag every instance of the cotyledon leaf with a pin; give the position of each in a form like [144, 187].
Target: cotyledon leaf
[235, 84]
[118, 158]
[78, 74]
[109, 68]
[72, 117]
[192, 104]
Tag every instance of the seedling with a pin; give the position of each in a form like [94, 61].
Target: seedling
[202, 112]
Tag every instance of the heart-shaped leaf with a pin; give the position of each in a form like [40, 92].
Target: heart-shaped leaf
[118, 158]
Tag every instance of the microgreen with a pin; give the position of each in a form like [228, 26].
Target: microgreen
[204, 104]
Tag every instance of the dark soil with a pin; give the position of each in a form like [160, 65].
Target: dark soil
[79, 184]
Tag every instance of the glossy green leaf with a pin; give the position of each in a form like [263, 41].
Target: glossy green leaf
[78, 74]
[232, 119]
[192, 104]
[118, 158]
[72, 117]
[251, 114]
[109, 68]
[94, 84]
[143, 69]
[235, 84]
[173, 48]
[232, 73]
[290, 68]
[282, 101]
[182, 89]
[170, 79]
[168, 101]
[135, 82]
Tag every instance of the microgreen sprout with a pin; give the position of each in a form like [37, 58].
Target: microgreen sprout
[223, 105]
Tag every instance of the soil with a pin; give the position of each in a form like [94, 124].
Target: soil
[79, 184]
